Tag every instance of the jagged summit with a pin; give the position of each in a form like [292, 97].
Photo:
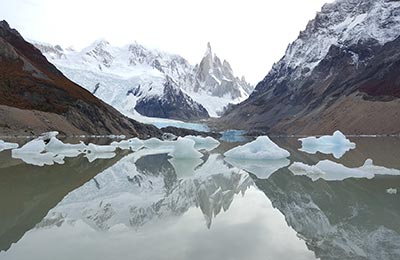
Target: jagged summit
[217, 78]
[112, 72]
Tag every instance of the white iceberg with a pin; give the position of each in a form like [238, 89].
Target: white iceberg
[56, 146]
[32, 147]
[154, 143]
[337, 144]
[204, 143]
[184, 149]
[133, 144]
[7, 146]
[332, 171]
[103, 155]
[391, 191]
[47, 150]
[94, 148]
[263, 169]
[260, 149]
[95, 152]
[34, 152]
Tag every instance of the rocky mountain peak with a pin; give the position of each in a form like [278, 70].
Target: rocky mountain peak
[216, 78]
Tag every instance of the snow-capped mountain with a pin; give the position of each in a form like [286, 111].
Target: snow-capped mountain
[344, 62]
[154, 83]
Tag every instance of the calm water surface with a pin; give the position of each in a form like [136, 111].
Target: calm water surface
[145, 205]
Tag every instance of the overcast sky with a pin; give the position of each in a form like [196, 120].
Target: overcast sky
[250, 34]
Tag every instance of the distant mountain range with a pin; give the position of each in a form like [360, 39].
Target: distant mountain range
[342, 72]
[36, 97]
[154, 83]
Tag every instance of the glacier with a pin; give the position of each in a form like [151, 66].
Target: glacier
[134, 76]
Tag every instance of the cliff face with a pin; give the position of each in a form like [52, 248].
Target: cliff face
[36, 97]
[341, 73]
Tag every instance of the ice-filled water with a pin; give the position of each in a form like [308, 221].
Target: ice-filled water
[129, 199]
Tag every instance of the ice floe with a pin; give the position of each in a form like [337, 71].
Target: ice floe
[47, 150]
[260, 149]
[153, 143]
[263, 169]
[204, 143]
[332, 171]
[336, 144]
[7, 146]
[133, 144]
[184, 149]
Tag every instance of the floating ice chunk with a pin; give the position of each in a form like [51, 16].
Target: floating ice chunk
[40, 159]
[184, 149]
[263, 169]
[34, 153]
[102, 155]
[7, 146]
[32, 147]
[68, 150]
[133, 144]
[332, 171]
[204, 143]
[185, 168]
[48, 135]
[95, 152]
[260, 149]
[391, 191]
[153, 143]
[94, 148]
[337, 144]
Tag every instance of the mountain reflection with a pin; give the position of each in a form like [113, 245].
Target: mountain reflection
[138, 190]
[28, 192]
[350, 219]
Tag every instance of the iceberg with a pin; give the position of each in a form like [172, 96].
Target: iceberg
[391, 191]
[260, 149]
[56, 146]
[204, 143]
[184, 149]
[332, 171]
[263, 169]
[133, 144]
[102, 155]
[154, 143]
[7, 146]
[336, 144]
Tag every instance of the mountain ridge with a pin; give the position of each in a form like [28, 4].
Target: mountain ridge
[36, 97]
[331, 77]
[134, 66]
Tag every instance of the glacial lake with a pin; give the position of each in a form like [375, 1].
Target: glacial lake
[144, 205]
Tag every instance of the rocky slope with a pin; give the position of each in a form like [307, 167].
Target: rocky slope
[154, 83]
[341, 73]
[36, 97]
